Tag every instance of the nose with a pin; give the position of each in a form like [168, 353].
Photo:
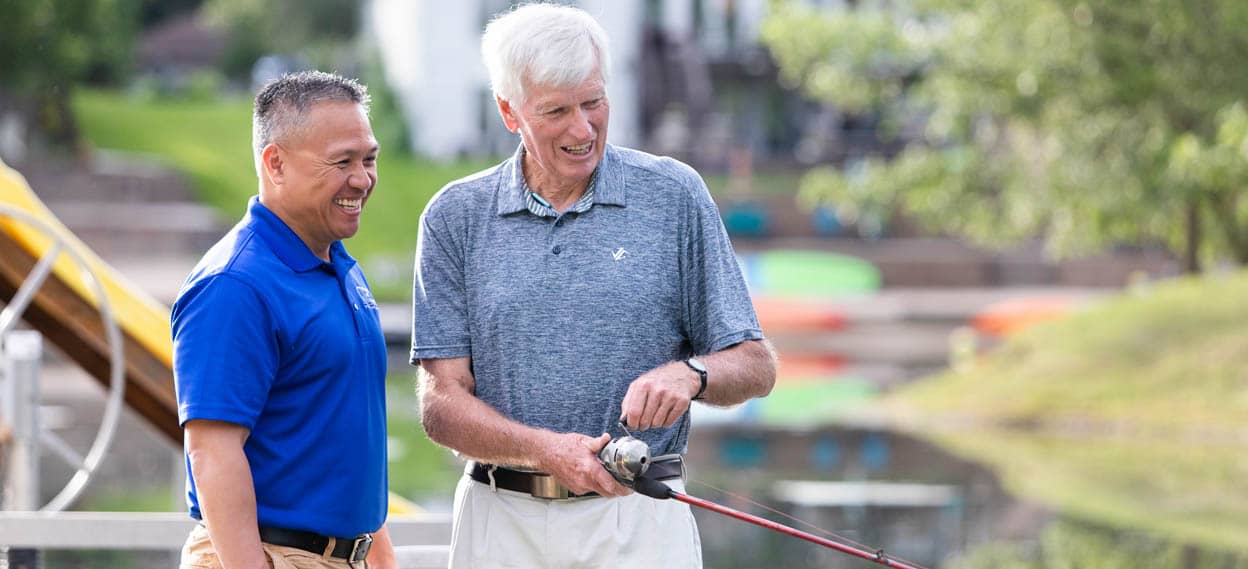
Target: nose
[361, 177]
[581, 128]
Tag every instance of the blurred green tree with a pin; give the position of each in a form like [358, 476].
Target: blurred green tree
[321, 34]
[1092, 123]
[48, 46]
[155, 11]
[313, 28]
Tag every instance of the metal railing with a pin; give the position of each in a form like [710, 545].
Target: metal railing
[421, 540]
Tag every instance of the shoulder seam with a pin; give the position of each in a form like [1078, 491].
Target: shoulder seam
[687, 169]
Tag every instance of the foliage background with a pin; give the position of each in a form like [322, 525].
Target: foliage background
[1091, 123]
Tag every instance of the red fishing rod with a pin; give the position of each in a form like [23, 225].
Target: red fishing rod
[661, 491]
[627, 459]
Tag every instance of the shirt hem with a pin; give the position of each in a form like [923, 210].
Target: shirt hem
[439, 352]
[729, 340]
[214, 414]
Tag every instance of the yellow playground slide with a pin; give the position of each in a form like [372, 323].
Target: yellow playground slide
[138, 313]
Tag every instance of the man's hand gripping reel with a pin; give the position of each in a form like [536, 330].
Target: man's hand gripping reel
[627, 459]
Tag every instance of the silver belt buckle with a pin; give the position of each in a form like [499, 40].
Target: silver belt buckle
[359, 548]
[546, 487]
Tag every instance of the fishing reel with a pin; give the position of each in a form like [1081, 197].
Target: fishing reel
[626, 458]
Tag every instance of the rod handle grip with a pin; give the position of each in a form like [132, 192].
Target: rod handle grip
[652, 488]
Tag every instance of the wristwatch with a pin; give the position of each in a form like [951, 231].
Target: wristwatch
[696, 365]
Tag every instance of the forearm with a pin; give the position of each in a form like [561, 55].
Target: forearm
[455, 418]
[381, 554]
[227, 502]
[739, 373]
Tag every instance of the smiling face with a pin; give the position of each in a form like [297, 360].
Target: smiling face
[564, 132]
[321, 175]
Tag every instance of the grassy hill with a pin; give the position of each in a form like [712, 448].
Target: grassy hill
[1132, 413]
[1170, 361]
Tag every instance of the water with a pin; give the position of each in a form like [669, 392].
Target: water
[917, 501]
[880, 489]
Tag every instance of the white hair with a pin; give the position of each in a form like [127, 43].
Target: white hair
[543, 44]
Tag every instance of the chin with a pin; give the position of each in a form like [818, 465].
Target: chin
[583, 171]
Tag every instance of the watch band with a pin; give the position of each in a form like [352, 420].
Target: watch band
[696, 365]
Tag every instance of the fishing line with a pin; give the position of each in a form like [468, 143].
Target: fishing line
[798, 520]
[790, 517]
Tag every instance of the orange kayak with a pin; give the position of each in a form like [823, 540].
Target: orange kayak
[1003, 318]
[794, 315]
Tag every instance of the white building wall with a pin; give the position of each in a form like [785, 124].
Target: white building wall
[750, 16]
[433, 63]
[677, 18]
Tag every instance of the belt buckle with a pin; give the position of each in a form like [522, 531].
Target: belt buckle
[545, 486]
[359, 548]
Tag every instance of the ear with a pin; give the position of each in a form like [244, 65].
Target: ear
[509, 113]
[273, 163]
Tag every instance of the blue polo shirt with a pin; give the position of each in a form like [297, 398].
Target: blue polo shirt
[561, 312]
[268, 336]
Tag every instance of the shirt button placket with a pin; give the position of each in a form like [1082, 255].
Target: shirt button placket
[558, 224]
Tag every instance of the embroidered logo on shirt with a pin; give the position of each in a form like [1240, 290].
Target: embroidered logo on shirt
[366, 296]
[619, 254]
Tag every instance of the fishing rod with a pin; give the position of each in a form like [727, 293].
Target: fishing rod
[627, 459]
[658, 490]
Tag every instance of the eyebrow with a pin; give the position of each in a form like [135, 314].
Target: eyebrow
[349, 151]
[544, 107]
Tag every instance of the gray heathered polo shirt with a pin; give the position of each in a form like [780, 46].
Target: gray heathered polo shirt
[560, 313]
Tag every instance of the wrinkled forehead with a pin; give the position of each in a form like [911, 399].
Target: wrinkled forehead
[589, 87]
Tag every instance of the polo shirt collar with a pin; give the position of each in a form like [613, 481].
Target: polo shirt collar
[286, 244]
[608, 187]
[511, 185]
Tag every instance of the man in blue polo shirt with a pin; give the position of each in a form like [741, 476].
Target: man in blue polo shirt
[279, 359]
[574, 285]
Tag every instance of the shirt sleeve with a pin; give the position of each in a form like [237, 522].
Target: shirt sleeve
[717, 306]
[225, 352]
[439, 297]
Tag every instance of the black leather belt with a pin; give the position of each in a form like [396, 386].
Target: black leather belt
[352, 549]
[542, 485]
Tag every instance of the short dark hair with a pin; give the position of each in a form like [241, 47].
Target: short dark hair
[281, 104]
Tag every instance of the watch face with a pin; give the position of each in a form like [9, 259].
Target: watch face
[695, 364]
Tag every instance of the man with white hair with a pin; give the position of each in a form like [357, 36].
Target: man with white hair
[572, 287]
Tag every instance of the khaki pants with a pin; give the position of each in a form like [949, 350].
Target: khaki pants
[507, 529]
[198, 553]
